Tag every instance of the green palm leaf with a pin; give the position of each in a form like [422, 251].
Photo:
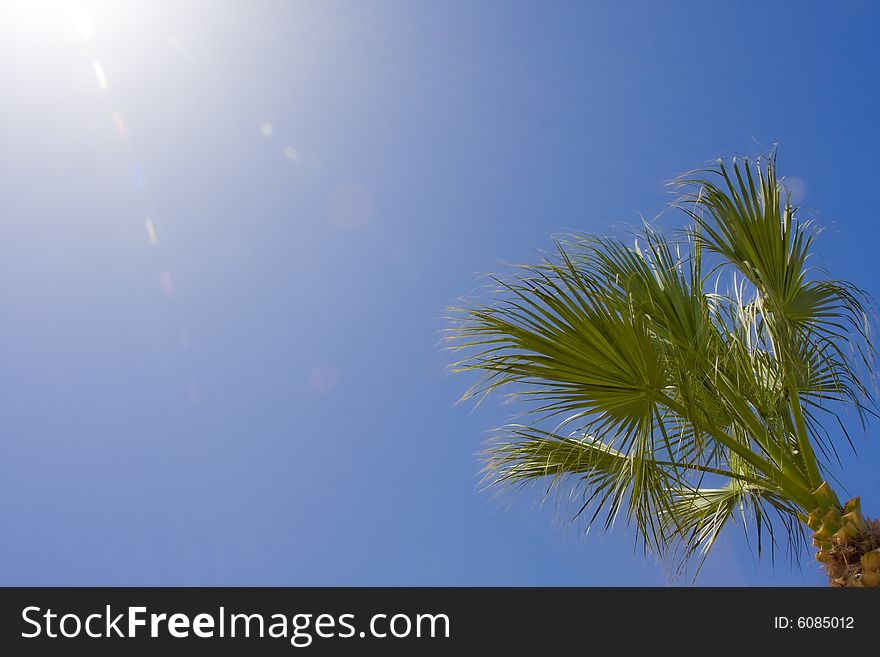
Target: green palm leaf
[681, 380]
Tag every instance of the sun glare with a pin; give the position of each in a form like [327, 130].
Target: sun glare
[49, 19]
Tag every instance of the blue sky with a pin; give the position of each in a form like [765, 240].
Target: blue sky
[248, 389]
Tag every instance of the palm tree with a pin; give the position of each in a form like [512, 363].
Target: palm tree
[686, 379]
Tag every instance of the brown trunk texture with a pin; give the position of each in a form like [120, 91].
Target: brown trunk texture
[849, 545]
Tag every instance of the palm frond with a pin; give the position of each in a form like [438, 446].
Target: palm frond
[686, 378]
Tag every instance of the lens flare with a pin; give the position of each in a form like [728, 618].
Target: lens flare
[323, 378]
[350, 206]
[151, 231]
[120, 125]
[167, 284]
[99, 75]
[137, 177]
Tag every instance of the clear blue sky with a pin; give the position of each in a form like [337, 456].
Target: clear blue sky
[258, 397]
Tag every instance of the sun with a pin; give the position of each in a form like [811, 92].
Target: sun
[49, 19]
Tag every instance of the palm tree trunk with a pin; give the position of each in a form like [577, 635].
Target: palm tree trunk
[849, 545]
